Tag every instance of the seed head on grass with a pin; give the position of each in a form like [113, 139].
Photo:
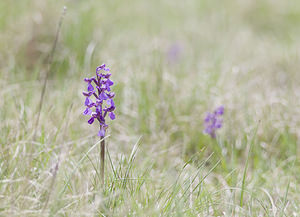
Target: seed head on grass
[213, 121]
[99, 87]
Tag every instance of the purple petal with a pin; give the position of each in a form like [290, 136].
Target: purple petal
[98, 110]
[90, 87]
[220, 110]
[111, 95]
[110, 102]
[218, 124]
[87, 80]
[109, 82]
[88, 102]
[112, 115]
[101, 132]
[208, 117]
[100, 67]
[87, 111]
[91, 120]
[112, 108]
[86, 93]
[103, 96]
[208, 130]
[107, 75]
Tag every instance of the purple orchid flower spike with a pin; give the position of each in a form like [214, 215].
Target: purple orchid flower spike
[213, 121]
[103, 102]
[99, 87]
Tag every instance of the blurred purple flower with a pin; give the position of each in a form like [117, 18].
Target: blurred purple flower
[103, 103]
[213, 121]
[174, 53]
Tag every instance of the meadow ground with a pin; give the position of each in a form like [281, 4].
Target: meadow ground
[172, 61]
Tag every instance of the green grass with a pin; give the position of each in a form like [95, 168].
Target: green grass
[240, 54]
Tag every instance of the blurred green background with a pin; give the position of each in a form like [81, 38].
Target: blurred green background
[172, 61]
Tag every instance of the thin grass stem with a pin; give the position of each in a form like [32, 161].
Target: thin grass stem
[49, 63]
[246, 166]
